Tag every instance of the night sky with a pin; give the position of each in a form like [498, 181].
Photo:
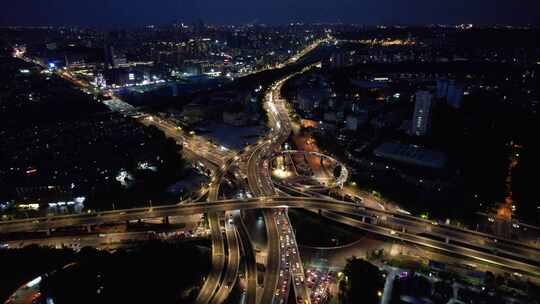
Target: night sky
[140, 12]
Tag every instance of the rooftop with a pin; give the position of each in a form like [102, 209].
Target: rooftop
[411, 154]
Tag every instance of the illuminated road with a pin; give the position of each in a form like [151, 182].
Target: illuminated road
[273, 257]
[198, 146]
[283, 263]
[297, 267]
[199, 149]
[233, 260]
[286, 247]
[217, 159]
[214, 290]
[250, 261]
[293, 59]
[107, 241]
[218, 260]
[448, 248]
[260, 183]
[224, 288]
[42, 224]
[328, 183]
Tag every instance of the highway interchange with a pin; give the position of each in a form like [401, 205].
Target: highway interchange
[231, 239]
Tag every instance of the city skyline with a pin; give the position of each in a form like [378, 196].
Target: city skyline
[391, 12]
[306, 152]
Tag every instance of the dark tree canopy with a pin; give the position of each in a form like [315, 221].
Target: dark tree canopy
[173, 270]
[363, 282]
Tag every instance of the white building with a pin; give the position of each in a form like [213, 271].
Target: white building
[422, 113]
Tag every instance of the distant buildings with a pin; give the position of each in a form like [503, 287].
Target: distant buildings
[337, 60]
[312, 98]
[112, 59]
[119, 77]
[422, 113]
[373, 83]
[340, 58]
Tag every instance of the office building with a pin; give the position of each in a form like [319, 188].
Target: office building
[442, 88]
[451, 91]
[351, 123]
[422, 113]
[454, 97]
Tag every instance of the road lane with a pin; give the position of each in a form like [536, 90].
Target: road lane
[218, 261]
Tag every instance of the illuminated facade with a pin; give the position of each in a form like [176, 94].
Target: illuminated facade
[422, 113]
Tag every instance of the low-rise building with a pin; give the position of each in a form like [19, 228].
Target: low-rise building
[411, 154]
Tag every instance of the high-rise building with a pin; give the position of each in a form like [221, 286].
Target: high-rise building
[450, 90]
[442, 88]
[351, 123]
[311, 98]
[109, 56]
[422, 113]
[455, 94]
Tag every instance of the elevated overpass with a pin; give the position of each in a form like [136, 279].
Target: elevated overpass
[509, 254]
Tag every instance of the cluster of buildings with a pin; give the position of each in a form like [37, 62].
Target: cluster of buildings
[73, 155]
[152, 54]
[59, 144]
[381, 119]
[430, 45]
[335, 111]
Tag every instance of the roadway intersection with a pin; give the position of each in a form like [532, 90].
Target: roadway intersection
[283, 265]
